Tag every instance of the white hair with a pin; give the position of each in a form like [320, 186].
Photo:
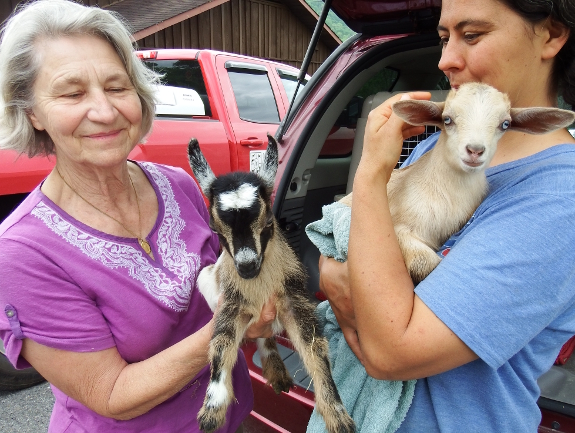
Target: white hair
[20, 62]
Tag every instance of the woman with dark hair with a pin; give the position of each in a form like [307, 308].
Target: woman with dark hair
[491, 318]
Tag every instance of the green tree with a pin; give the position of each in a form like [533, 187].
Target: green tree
[333, 21]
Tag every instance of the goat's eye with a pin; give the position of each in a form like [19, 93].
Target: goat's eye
[269, 222]
[447, 120]
[505, 125]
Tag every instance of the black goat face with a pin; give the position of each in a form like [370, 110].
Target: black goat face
[243, 221]
[240, 209]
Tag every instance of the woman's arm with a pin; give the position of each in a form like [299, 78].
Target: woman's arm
[105, 383]
[399, 337]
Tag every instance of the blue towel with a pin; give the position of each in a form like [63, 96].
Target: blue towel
[376, 406]
[331, 233]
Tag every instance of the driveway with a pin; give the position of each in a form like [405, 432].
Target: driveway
[26, 411]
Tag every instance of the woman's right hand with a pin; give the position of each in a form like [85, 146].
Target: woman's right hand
[384, 135]
[334, 283]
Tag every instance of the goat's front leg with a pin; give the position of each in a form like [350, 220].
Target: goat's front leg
[302, 327]
[209, 284]
[228, 333]
[420, 259]
[273, 367]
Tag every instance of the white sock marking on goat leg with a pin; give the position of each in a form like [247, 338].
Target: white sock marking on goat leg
[241, 198]
[217, 392]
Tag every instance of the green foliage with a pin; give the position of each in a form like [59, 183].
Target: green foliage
[383, 81]
[333, 21]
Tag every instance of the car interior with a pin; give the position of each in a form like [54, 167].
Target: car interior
[320, 178]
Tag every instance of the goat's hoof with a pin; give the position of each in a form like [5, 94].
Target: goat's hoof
[211, 419]
[341, 422]
[284, 384]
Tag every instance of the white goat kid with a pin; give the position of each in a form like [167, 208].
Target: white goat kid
[256, 265]
[435, 196]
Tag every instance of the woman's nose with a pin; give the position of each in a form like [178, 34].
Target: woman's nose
[101, 109]
[451, 58]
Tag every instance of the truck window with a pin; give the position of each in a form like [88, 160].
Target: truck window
[289, 81]
[254, 95]
[185, 74]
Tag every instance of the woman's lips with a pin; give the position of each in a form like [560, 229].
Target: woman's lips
[107, 134]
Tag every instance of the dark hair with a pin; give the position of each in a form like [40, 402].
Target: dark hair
[561, 11]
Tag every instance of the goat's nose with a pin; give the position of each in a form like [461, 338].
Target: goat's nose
[475, 150]
[248, 270]
[247, 263]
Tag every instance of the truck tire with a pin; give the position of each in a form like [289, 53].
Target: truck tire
[13, 380]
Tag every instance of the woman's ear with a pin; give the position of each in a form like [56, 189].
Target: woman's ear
[556, 35]
[35, 122]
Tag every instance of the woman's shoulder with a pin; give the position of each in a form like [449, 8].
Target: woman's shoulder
[551, 171]
[19, 216]
[175, 177]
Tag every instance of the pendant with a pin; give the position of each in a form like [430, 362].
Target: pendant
[145, 245]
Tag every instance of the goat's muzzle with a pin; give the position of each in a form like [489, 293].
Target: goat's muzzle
[248, 263]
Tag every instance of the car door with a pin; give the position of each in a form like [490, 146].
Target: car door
[254, 107]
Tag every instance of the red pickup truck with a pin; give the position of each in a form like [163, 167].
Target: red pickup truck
[227, 101]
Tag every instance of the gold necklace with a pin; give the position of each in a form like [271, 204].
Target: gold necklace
[143, 242]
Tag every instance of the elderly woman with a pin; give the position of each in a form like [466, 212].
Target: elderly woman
[99, 263]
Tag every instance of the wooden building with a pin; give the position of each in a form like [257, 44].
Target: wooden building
[276, 30]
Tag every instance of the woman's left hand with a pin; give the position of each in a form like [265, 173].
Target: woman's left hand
[334, 283]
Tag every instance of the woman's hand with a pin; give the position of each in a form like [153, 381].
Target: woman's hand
[334, 283]
[260, 329]
[384, 135]
[263, 327]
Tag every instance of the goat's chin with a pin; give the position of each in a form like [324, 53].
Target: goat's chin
[472, 166]
[248, 275]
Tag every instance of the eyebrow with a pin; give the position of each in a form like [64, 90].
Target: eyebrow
[78, 79]
[461, 24]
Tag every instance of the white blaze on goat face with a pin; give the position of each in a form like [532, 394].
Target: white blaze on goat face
[242, 198]
[245, 255]
[217, 392]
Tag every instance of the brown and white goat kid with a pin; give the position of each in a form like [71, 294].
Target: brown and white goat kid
[435, 196]
[257, 264]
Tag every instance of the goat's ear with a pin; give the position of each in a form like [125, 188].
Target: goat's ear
[418, 113]
[540, 120]
[200, 166]
[270, 165]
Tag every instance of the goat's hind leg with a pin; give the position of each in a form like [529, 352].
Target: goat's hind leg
[274, 369]
[303, 329]
[223, 354]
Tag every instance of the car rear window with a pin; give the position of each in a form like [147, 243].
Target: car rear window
[182, 74]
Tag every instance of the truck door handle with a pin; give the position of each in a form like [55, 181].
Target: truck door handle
[251, 141]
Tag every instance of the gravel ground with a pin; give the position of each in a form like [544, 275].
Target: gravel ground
[26, 411]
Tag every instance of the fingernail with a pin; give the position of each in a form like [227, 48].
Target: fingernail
[405, 96]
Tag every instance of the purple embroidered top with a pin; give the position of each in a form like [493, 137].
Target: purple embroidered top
[68, 286]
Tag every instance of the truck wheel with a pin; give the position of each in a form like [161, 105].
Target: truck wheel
[13, 380]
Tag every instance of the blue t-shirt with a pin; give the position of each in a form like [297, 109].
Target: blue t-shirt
[506, 287]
